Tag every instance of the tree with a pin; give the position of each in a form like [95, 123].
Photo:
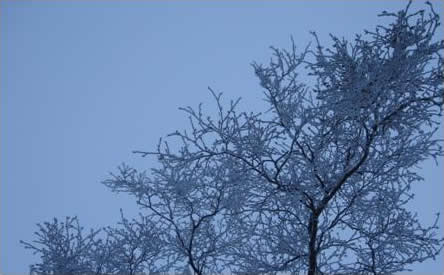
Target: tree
[320, 182]
[64, 248]
[133, 248]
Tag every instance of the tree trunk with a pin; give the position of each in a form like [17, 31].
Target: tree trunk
[312, 252]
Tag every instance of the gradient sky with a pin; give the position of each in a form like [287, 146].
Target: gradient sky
[83, 83]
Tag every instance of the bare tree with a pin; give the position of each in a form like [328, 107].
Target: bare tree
[332, 164]
[135, 247]
[319, 183]
[190, 203]
[63, 247]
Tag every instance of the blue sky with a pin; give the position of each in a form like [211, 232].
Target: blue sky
[83, 83]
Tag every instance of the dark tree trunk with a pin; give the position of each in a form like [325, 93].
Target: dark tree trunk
[312, 252]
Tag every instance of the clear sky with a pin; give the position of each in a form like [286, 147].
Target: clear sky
[83, 83]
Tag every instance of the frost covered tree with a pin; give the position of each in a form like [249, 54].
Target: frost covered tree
[64, 248]
[319, 182]
[132, 248]
[190, 202]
